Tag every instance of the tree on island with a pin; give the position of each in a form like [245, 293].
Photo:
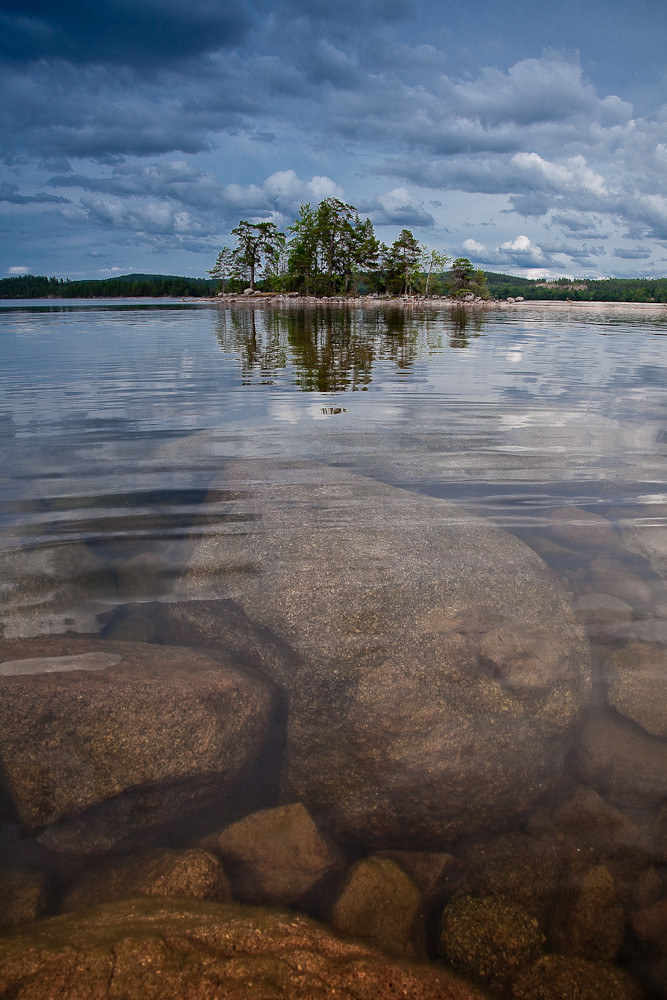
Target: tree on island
[254, 241]
[330, 250]
[331, 247]
[463, 279]
[223, 266]
[403, 259]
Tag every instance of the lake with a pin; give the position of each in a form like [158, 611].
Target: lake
[125, 430]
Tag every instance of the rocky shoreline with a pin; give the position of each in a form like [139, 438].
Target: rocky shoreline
[372, 747]
[294, 300]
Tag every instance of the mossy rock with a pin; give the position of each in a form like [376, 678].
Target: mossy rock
[560, 977]
[490, 939]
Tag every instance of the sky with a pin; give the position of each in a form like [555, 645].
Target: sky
[530, 138]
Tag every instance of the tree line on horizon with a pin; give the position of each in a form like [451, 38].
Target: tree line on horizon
[330, 250]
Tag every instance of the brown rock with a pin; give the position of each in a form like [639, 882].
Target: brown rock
[564, 977]
[590, 822]
[624, 764]
[23, 896]
[589, 920]
[439, 669]
[637, 685]
[580, 529]
[195, 874]
[100, 741]
[379, 902]
[273, 856]
[490, 939]
[517, 867]
[429, 870]
[612, 576]
[187, 950]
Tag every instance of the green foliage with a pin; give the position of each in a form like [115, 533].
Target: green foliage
[123, 286]
[256, 243]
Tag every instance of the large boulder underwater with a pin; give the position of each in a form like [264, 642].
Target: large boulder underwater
[437, 668]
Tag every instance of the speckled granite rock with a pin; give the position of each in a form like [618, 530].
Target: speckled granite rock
[100, 741]
[194, 873]
[440, 667]
[168, 950]
[274, 856]
[563, 977]
[637, 685]
[379, 902]
[489, 938]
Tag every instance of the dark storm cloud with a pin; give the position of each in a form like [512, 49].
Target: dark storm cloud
[10, 193]
[122, 32]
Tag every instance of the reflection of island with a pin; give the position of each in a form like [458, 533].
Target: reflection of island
[461, 323]
[334, 350]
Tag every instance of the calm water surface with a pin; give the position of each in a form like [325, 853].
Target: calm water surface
[116, 418]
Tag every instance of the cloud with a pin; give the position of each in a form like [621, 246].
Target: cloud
[172, 202]
[636, 254]
[397, 208]
[119, 32]
[573, 175]
[18, 269]
[10, 193]
[473, 247]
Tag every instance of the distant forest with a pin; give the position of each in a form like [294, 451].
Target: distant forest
[30, 286]
[500, 286]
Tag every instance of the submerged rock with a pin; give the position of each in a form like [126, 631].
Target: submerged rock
[440, 667]
[169, 950]
[48, 589]
[490, 939]
[561, 977]
[589, 919]
[380, 902]
[516, 866]
[274, 856]
[195, 873]
[23, 896]
[101, 741]
[637, 685]
[622, 762]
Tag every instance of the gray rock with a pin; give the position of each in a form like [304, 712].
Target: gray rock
[637, 685]
[578, 528]
[440, 668]
[194, 873]
[156, 949]
[381, 903]
[92, 757]
[274, 856]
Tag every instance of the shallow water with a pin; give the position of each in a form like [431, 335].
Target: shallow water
[117, 421]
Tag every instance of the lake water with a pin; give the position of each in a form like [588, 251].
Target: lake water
[118, 418]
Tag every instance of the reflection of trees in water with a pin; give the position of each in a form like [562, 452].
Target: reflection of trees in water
[333, 350]
[463, 323]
